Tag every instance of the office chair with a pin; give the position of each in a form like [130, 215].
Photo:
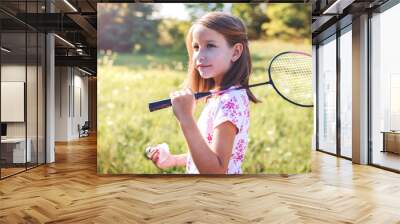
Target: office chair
[84, 130]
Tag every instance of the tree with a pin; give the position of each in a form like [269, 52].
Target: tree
[172, 34]
[253, 15]
[196, 10]
[290, 20]
[126, 27]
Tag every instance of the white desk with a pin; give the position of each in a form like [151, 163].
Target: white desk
[19, 149]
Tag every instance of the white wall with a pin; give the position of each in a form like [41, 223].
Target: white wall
[62, 81]
[33, 126]
[70, 84]
[12, 73]
[81, 84]
[13, 101]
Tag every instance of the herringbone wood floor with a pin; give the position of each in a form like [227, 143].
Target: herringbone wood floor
[70, 191]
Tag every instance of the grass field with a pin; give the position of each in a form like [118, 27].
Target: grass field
[280, 133]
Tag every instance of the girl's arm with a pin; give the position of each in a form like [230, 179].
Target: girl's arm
[214, 159]
[170, 161]
[208, 159]
[180, 160]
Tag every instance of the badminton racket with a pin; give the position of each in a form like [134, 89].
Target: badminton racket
[289, 73]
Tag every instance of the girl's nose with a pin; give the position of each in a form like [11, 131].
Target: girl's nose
[201, 57]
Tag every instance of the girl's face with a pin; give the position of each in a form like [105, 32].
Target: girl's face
[212, 55]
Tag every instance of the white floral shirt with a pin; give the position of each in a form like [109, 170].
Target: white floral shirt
[232, 106]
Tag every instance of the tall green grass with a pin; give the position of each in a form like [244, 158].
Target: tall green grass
[280, 133]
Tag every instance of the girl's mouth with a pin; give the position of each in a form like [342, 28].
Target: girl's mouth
[203, 66]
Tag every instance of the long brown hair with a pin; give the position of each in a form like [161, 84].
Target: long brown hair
[234, 31]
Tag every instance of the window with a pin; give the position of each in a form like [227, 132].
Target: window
[346, 75]
[385, 88]
[327, 95]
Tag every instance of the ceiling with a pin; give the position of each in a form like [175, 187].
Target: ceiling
[74, 22]
[330, 15]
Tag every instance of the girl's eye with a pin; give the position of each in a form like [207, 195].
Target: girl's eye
[196, 47]
[210, 45]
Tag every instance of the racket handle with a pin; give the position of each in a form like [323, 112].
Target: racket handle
[167, 102]
[201, 95]
[160, 105]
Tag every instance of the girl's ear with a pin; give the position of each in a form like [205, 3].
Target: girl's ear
[237, 51]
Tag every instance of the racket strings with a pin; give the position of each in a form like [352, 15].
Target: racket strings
[291, 75]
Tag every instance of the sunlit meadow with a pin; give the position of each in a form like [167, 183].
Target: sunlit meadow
[280, 133]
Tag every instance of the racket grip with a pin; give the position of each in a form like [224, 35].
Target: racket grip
[201, 95]
[167, 102]
[160, 105]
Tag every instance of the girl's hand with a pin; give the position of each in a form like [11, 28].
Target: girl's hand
[183, 104]
[163, 163]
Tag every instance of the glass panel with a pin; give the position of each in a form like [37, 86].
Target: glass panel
[13, 87]
[385, 89]
[16, 9]
[41, 99]
[31, 99]
[346, 93]
[17, 6]
[32, 70]
[327, 95]
[41, 90]
[23, 88]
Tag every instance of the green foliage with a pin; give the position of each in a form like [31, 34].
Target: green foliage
[288, 21]
[196, 10]
[127, 27]
[280, 133]
[171, 30]
[253, 15]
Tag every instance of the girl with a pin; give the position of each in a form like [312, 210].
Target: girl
[219, 59]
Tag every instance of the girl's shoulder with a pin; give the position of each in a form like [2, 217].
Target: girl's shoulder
[232, 106]
[235, 96]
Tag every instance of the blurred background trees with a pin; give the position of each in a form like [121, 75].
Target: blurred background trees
[142, 58]
[127, 28]
[135, 28]
[288, 21]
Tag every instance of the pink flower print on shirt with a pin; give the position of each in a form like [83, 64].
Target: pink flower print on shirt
[231, 106]
[239, 150]
[209, 138]
[245, 100]
[232, 110]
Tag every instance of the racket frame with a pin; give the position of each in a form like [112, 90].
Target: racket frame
[167, 102]
[272, 81]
